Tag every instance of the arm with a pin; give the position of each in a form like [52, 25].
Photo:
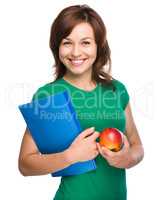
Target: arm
[136, 147]
[31, 162]
[132, 152]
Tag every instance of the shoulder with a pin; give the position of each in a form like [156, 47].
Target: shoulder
[121, 92]
[119, 85]
[48, 89]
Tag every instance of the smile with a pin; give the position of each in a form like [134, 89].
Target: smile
[77, 62]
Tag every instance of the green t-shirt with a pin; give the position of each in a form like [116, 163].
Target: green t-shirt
[102, 107]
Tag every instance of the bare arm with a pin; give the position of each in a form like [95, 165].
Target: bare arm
[31, 162]
[132, 152]
[136, 147]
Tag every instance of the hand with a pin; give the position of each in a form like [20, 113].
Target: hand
[84, 147]
[120, 159]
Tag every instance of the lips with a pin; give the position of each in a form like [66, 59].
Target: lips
[77, 62]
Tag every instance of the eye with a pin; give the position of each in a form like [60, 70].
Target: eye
[86, 42]
[66, 43]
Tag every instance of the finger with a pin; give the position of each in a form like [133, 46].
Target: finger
[99, 148]
[107, 152]
[94, 136]
[126, 142]
[86, 132]
[103, 150]
[96, 153]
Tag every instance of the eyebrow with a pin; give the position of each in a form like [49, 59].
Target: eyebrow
[67, 38]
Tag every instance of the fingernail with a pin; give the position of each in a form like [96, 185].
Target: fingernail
[92, 128]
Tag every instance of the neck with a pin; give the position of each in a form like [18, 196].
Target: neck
[82, 81]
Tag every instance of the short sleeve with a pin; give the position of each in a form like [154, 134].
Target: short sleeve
[36, 95]
[122, 94]
[41, 93]
[47, 90]
[125, 98]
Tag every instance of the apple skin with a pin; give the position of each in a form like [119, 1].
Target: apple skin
[111, 138]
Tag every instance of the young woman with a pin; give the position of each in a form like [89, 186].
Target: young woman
[80, 48]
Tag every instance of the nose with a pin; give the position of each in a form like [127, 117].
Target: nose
[76, 52]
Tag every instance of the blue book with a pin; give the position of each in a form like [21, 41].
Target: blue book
[53, 124]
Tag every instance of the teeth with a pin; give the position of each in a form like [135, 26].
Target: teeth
[78, 62]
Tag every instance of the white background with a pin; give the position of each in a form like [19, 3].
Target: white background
[26, 64]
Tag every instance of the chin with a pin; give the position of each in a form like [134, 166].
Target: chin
[78, 70]
[79, 73]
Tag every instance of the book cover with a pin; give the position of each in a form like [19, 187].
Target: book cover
[53, 124]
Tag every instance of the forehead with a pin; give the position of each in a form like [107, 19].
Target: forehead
[82, 30]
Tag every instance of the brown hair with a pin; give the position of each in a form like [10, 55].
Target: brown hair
[62, 26]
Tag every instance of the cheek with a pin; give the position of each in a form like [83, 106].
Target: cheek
[63, 52]
[92, 51]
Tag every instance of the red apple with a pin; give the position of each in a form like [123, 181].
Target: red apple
[111, 138]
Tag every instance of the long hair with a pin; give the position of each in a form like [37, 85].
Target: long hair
[62, 26]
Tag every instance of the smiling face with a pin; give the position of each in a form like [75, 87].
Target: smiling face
[78, 50]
